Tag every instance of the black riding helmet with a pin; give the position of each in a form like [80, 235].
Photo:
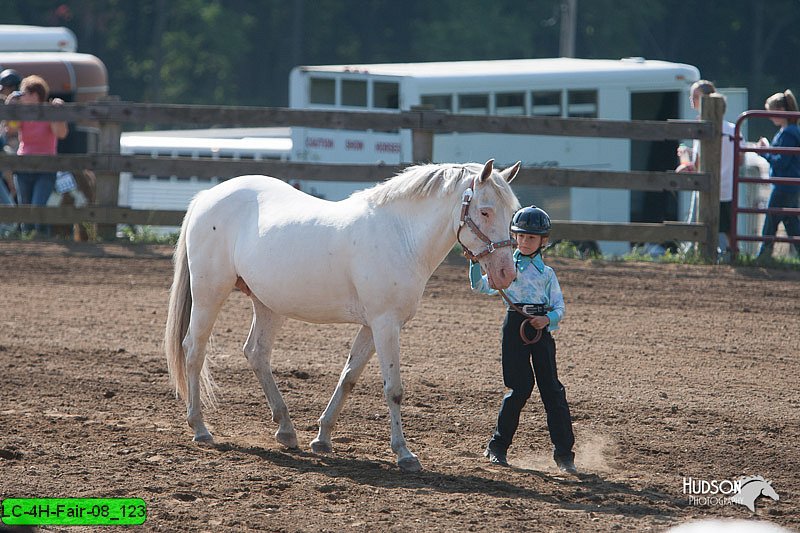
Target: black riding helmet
[532, 220]
[10, 78]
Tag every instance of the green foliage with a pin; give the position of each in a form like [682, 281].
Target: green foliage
[146, 235]
[241, 51]
[194, 63]
[781, 263]
[689, 257]
[566, 249]
[470, 30]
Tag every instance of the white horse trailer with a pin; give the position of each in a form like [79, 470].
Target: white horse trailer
[20, 38]
[175, 192]
[626, 89]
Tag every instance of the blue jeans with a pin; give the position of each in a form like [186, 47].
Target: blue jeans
[781, 198]
[35, 188]
[5, 194]
[5, 199]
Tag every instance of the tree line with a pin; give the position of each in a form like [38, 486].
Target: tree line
[239, 52]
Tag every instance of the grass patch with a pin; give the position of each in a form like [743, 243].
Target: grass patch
[146, 235]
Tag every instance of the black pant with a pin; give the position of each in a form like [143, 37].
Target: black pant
[519, 377]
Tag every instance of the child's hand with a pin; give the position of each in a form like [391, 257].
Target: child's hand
[540, 322]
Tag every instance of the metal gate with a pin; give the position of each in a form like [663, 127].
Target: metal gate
[738, 150]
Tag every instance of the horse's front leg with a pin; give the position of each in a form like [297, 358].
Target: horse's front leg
[362, 349]
[387, 343]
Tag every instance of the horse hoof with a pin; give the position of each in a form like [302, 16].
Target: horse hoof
[288, 439]
[317, 446]
[409, 464]
[204, 438]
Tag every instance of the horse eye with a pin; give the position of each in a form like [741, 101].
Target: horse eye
[485, 214]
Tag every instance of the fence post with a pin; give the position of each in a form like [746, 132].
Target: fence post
[107, 184]
[712, 109]
[422, 138]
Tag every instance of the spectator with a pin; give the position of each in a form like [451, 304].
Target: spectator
[685, 157]
[782, 166]
[36, 138]
[705, 87]
[9, 82]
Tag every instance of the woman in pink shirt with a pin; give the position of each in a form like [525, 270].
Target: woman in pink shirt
[36, 138]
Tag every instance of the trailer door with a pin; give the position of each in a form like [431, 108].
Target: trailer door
[651, 206]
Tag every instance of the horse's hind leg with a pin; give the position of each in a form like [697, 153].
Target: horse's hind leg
[362, 349]
[205, 309]
[258, 349]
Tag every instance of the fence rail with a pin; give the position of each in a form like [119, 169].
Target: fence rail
[108, 162]
[418, 118]
[208, 168]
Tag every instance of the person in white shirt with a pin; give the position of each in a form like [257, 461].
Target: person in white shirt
[698, 89]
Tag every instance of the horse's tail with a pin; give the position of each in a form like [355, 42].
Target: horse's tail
[178, 314]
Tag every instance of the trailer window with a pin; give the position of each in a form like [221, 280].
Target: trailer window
[473, 104]
[546, 103]
[582, 104]
[441, 102]
[509, 103]
[354, 93]
[322, 91]
[385, 95]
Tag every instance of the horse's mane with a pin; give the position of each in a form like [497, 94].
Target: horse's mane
[748, 479]
[422, 181]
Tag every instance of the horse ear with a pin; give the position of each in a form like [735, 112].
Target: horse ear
[511, 172]
[487, 171]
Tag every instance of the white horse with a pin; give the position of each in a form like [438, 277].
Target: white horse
[363, 260]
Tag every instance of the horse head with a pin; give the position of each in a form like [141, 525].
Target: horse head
[751, 488]
[487, 208]
[769, 492]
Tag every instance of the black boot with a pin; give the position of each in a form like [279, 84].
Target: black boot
[566, 463]
[496, 457]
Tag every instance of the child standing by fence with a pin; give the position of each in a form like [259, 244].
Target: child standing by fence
[536, 293]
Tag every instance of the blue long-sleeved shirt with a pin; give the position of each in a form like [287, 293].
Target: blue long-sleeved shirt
[785, 165]
[536, 283]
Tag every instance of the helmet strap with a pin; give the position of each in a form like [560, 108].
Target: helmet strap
[533, 254]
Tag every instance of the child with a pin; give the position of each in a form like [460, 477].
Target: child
[535, 286]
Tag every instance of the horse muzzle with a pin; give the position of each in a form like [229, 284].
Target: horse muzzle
[500, 275]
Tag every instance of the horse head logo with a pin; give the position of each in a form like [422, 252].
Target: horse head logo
[750, 489]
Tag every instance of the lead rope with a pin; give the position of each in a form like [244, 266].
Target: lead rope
[528, 320]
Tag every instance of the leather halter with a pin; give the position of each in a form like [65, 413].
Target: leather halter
[491, 246]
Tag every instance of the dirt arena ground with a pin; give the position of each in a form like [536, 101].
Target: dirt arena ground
[671, 371]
